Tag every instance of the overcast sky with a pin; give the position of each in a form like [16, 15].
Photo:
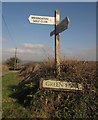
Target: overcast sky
[33, 41]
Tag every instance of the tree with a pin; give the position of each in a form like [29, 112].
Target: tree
[13, 63]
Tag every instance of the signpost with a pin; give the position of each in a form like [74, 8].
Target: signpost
[57, 44]
[59, 27]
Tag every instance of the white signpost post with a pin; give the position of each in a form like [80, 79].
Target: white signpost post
[59, 27]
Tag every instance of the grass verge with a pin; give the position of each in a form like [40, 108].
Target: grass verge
[11, 108]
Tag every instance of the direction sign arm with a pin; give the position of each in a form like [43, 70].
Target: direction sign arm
[63, 25]
[41, 19]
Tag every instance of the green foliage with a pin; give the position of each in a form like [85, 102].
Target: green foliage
[60, 104]
[30, 85]
[11, 61]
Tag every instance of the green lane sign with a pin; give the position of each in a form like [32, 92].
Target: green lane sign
[60, 85]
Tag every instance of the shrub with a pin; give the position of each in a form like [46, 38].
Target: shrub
[58, 104]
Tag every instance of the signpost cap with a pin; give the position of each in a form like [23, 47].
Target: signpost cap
[57, 10]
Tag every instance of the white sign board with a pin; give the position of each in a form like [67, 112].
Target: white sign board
[41, 20]
[63, 85]
[63, 25]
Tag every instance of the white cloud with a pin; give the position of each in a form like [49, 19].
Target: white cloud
[28, 51]
[23, 54]
[19, 50]
[26, 48]
[30, 46]
[22, 50]
[8, 50]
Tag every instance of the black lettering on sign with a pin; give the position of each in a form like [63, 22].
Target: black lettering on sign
[35, 20]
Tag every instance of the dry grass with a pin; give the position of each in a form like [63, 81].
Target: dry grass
[69, 68]
[4, 68]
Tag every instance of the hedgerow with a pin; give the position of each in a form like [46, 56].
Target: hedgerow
[46, 103]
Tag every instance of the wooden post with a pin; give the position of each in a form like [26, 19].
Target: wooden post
[15, 59]
[57, 44]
